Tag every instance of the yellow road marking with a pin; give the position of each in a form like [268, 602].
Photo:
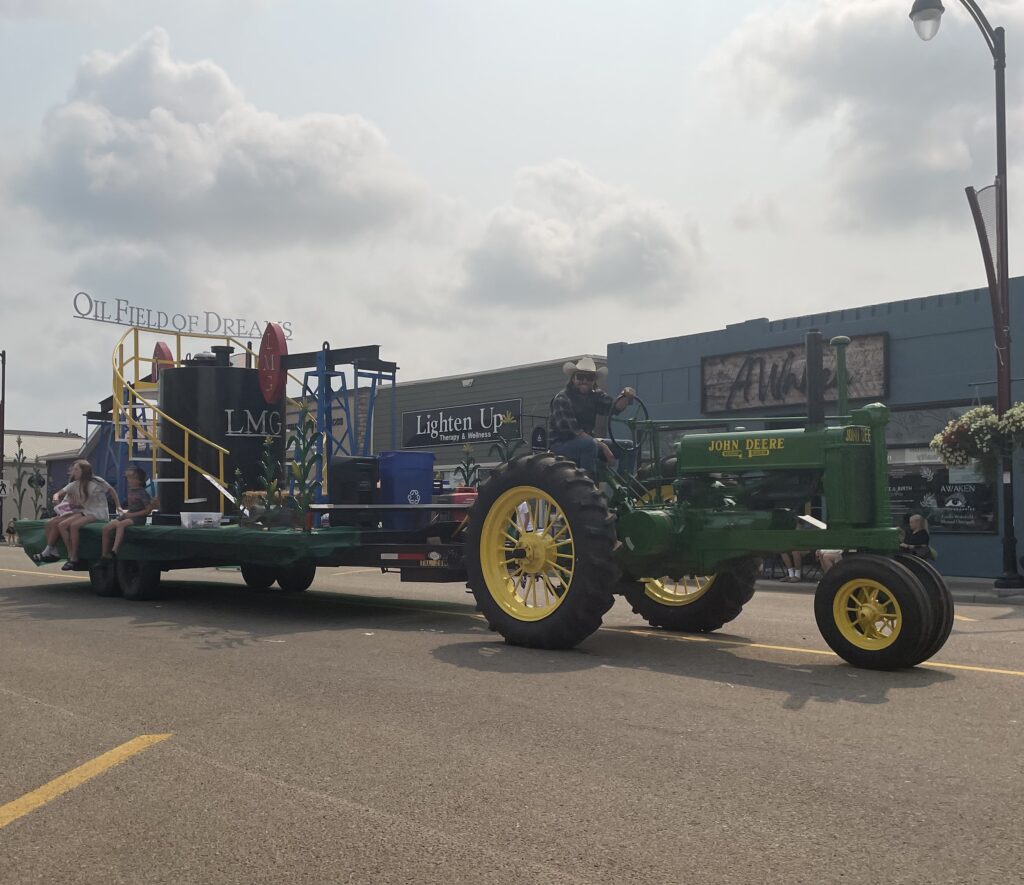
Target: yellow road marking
[963, 618]
[677, 637]
[356, 571]
[807, 651]
[943, 666]
[42, 574]
[76, 777]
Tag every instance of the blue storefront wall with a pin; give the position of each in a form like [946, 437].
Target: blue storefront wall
[940, 354]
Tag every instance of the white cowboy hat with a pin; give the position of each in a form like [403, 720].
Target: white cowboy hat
[585, 364]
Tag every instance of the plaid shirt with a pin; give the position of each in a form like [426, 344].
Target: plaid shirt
[571, 413]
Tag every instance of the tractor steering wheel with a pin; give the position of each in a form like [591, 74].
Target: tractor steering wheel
[635, 411]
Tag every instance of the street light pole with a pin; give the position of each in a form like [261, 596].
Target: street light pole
[926, 16]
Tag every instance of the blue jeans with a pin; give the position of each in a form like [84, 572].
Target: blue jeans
[583, 450]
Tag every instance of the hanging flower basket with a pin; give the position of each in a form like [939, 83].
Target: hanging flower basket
[976, 434]
[1011, 425]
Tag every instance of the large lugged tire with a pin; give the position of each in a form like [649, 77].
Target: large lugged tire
[539, 553]
[693, 604]
[103, 576]
[942, 602]
[296, 578]
[139, 579]
[874, 613]
[259, 577]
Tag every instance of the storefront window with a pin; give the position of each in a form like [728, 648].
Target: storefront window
[952, 499]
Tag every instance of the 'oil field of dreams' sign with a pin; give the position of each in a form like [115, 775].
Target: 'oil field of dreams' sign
[457, 425]
[761, 379]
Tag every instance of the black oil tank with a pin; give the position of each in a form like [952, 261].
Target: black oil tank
[222, 403]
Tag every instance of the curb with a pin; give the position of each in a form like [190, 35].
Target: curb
[963, 595]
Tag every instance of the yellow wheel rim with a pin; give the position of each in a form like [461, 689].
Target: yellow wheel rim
[867, 614]
[527, 553]
[677, 591]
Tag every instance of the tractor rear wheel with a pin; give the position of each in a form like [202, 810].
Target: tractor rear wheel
[874, 613]
[259, 577]
[540, 553]
[693, 604]
[139, 579]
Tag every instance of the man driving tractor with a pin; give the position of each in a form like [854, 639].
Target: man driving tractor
[574, 411]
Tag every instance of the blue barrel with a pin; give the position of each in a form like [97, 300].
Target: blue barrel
[405, 478]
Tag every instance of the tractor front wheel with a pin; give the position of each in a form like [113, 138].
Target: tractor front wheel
[941, 599]
[693, 603]
[540, 553]
[874, 613]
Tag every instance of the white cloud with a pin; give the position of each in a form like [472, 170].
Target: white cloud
[567, 235]
[758, 213]
[148, 147]
[910, 124]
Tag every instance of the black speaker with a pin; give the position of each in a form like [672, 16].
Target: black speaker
[351, 480]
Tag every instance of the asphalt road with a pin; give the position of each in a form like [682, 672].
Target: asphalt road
[375, 732]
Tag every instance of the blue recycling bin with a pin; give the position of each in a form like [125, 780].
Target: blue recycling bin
[405, 478]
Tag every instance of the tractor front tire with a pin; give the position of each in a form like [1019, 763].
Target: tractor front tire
[259, 577]
[539, 551]
[693, 604]
[139, 579]
[941, 599]
[874, 613]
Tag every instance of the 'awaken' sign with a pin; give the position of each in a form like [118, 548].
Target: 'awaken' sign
[778, 377]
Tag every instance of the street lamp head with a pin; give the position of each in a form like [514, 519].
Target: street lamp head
[926, 16]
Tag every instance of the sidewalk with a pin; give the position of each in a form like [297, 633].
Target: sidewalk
[975, 591]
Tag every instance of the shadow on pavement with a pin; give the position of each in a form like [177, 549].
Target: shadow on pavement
[217, 616]
[827, 680]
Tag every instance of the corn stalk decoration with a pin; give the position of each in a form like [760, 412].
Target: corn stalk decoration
[20, 477]
[305, 461]
[269, 480]
[38, 483]
[468, 469]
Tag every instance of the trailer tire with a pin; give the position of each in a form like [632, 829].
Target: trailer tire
[694, 604]
[259, 577]
[103, 577]
[539, 550]
[941, 599]
[874, 613]
[139, 579]
[296, 578]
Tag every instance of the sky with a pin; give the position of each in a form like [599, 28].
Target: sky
[473, 184]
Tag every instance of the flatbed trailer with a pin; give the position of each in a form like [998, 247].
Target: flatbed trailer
[287, 556]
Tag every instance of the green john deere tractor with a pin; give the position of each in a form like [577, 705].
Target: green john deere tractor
[682, 536]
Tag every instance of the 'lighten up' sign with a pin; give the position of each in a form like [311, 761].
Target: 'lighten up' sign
[123, 313]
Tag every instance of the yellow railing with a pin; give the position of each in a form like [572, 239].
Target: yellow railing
[128, 398]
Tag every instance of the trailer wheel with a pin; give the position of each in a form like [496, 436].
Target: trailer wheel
[874, 613]
[692, 603]
[103, 577]
[139, 579]
[296, 578]
[942, 602]
[259, 577]
[539, 553]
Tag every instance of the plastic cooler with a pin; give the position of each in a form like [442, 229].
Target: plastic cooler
[405, 478]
